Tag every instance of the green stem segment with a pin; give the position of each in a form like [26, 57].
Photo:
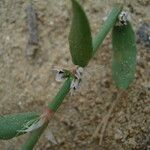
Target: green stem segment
[105, 28]
[31, 142]
[55, 104]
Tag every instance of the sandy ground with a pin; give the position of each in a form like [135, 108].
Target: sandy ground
[27, 84]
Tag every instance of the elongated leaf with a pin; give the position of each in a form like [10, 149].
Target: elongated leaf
[10, 125]
[124, 55]
[80, 39]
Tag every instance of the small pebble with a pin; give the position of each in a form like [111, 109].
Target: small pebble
[143, 34]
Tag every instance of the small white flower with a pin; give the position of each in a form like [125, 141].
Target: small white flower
[123, 18]
[75, 84]
[79, 72]
[60, 74]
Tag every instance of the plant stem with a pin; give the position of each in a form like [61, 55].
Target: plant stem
[105, 28]
[55, 104]
[32, 140]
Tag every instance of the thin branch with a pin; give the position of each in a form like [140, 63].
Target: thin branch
[105, 28]
[32, 140]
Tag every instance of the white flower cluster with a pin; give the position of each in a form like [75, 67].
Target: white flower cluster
[77, 80]
[61, 74]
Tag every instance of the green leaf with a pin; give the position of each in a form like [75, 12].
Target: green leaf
[80, 39]
[10, 125]
[124, 55]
